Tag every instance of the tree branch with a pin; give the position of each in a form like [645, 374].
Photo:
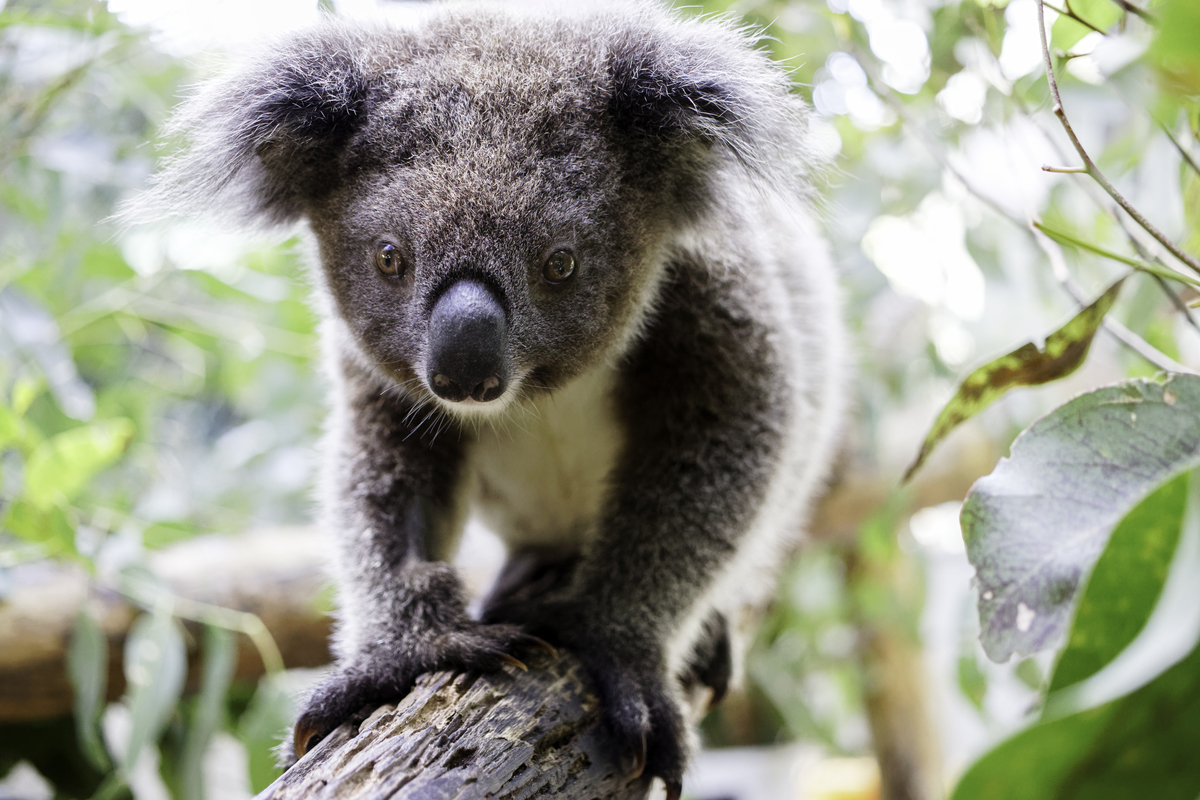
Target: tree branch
[469, 736]
[1089, 166]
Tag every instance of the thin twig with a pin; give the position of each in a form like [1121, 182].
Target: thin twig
[1140, 12]
[1123, 334]
[1179, 146]
[1092, 170]
[1067, 12]
[1092, 191]
[1143, 348]
[1064, 170]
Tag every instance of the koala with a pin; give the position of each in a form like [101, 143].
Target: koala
[569, 282]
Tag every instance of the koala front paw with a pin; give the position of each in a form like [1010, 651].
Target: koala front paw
[642, 717]
[386, 674]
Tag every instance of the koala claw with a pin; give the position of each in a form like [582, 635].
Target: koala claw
[306, 728]
[507, 659]
[387, 675]
[633, 762]
[674, 790]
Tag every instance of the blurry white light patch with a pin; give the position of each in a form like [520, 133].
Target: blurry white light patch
[845, 69]
[1083, 66]
[953, 342]
[842, 89]
[1005, 164]
[184, 27]
[902, 46]
[924, 255]
[866, 10]
[1021, 51]
[937, 528]
[977, 57]
[963, 97]
[1116, 51]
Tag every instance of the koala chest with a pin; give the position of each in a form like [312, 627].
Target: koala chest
[540, 477]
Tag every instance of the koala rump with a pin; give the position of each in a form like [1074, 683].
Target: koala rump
[569, 284]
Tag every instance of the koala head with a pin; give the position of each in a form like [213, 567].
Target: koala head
[491, 191]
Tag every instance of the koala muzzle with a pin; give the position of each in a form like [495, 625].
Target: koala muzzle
[468, 342]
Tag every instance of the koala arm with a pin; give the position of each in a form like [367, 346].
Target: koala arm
[706, 407]
[392, 501]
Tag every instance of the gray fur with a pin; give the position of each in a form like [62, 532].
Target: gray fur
[673, 406]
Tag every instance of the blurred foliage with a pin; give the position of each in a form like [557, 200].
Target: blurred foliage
[158, 383]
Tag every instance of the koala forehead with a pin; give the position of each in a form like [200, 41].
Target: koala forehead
[490, 99]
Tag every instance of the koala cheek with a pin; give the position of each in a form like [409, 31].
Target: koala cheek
[468, 345]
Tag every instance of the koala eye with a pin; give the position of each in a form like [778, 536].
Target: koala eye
[387, 259]
[558, 267]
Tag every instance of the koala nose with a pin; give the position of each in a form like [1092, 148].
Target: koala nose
[468, 339]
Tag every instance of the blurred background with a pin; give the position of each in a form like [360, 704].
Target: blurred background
[159, 402]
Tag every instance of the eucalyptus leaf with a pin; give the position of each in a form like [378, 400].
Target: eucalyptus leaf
[1142, 745]
[220, 658]
[87, 668]
[1036, 525]
[1174, 48]
[50, 527]
[262, 727]
[1124, 585]
[61, 467]
[12, 428]
[1063, 352]
[1065, 33]
[155, 668]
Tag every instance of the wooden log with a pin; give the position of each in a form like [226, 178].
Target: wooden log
[469, 736]
[275, 574]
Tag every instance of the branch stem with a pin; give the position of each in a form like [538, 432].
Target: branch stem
[1090, 166]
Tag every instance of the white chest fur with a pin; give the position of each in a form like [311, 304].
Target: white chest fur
[541, 474]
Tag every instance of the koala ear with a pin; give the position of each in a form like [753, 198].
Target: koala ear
[263, 141]
[698, 82]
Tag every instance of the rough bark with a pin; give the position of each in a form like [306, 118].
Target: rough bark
[506, 735]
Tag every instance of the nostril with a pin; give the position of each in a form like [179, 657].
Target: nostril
[446, 388]
[488, 389]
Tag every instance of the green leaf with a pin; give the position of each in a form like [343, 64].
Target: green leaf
[161, 534]
[220, 658]
[87, 667]
[12, 427]
[271, 711]
[1029, 673]
[1064, 351]
[50, 527]
[1142, 266]
[155, 668]
[1142, 745]
[62, 466]
[1125, 584]
[972, 681]
[24, 393]
[1066, 32]
[1036, 525]
[1174, 48]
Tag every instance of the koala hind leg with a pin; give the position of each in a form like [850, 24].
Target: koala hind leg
[529, 573]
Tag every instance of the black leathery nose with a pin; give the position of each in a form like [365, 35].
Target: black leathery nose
[468, 342]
